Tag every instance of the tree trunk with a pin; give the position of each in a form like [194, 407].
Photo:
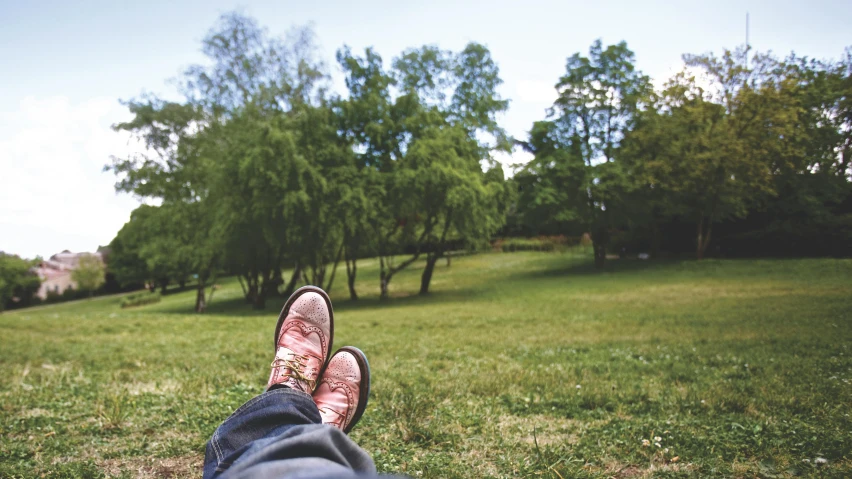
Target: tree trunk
[318, 275]
[600, 239]
[448, 260]
[600, 254]
[433, 258]
[703, 239]
[294, 278]
[251, 291]
[200, 304]
[426, 278]
[655, 239]
[384, 279]
[351, 271]
[269, 285]
[259, 301]
[334, 268]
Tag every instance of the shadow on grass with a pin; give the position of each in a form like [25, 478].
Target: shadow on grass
[613, 266]
[238, 307]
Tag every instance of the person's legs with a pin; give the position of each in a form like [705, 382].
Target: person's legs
[281, 433]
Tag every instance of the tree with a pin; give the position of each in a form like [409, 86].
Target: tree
[177, 241]
[371, 121]
[712, 152]
[18, 282]
[144, 252]
[598, 98]
[442, 95]
[450, 195]
[89, 273]
[202, 153]
[813, 185]
[125, 261]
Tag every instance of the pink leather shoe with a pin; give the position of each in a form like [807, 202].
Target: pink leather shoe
[344, 389]
[303, 339]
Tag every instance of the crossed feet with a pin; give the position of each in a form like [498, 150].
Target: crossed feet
[339, 384]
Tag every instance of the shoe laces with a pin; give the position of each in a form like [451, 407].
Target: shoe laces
[340, 416]
[293, 365]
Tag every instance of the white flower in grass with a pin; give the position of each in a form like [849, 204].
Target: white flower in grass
[578, 386]
[646, 443]
[657, 439]
[820, 461]
[657, 444]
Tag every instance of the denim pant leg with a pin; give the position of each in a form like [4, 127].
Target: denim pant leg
[280, 433]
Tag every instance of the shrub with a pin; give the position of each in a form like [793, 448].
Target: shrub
[541, 243]
[140, 299]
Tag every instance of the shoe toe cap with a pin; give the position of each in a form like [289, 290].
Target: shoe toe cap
[312, 308]
[344, 367]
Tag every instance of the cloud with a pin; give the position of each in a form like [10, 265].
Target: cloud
[53, 192]
[511, 161]
[536, 91]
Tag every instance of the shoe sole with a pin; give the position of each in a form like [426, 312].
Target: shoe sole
[286, 309]
[364, 395]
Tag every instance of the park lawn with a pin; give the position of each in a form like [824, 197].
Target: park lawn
[523, 364]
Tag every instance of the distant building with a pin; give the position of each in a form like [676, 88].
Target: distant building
[55, 273]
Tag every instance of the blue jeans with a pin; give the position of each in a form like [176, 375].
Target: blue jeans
[280, 434]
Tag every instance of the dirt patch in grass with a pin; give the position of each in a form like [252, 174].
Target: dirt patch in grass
[149, 467]
[36, 412]
[158, 387]
[632, 471]
[543, 429]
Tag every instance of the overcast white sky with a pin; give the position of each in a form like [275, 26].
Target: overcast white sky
[65, 65]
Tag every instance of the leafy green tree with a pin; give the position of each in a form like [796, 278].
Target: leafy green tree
[276, 199]
[712, 153]
[450, 195]
[17, 280]
[89, 273]
[442, 94]
[143, 252]
[270, 148]
[125, 260]
[814, 184]
[372, 121]
[172, 171]
[201, 153]
[598, 98]
[176, 236]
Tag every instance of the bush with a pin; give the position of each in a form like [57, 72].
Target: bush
[140, 299]
[541, 243]
[69, 294]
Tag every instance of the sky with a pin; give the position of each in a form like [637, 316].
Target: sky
[65, 66]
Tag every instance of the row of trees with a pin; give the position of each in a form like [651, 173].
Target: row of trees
[745, 140]
[262, 168]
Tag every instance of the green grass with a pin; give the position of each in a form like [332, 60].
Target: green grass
[524, 364]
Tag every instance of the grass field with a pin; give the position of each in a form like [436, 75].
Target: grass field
[524, 364]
